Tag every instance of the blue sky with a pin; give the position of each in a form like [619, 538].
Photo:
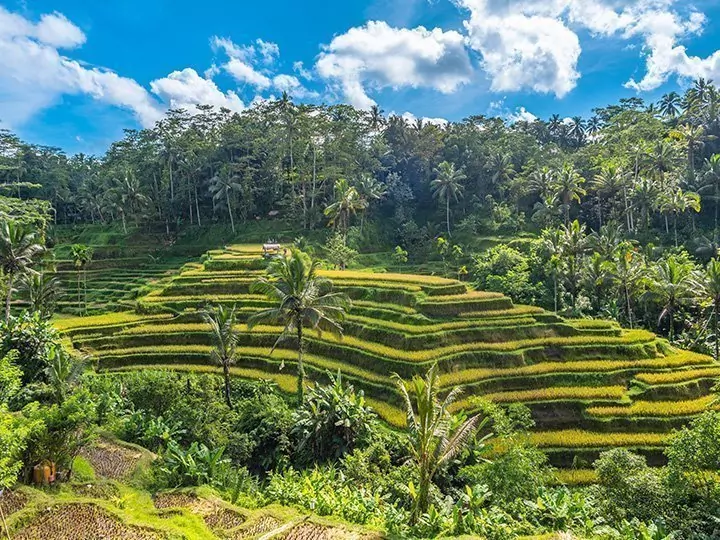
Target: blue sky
[75, 73]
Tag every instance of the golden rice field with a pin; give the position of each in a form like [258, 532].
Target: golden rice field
[581, 379]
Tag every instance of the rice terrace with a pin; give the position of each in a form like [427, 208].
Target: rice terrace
[370, 270]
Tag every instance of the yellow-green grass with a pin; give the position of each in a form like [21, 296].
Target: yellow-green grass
[392, 415]
[575, 438]
[591, 324]
[469, 296]
[246, 248]
[343, 275]
[440, 327]
[675, 377]
[406, 310]
[154, 296]
[420, 356]
[278, 355]
[515, 310]
[576, 477]
[106, 319]
[677, 360]
[657, 408]
[553, 393]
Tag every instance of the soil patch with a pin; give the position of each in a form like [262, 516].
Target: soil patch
[12, 501]
[111, 460]
[81, 522]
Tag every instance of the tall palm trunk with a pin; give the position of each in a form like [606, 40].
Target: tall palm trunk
[447, 215]
[301, 366]
[627, 304]
[226, 375]
[232, 221]
[8, 295]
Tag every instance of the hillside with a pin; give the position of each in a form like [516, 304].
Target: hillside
[589, 384]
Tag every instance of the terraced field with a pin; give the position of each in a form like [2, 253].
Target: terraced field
[109, 283]
[590, 385]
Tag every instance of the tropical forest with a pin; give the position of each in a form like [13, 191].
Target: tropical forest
[310, 321]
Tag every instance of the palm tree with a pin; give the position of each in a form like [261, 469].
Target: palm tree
[222, 186]
[347, 203]
[577, 130]
[435, 438]
[669, 105]
[676, 202]
[672, 284]
[708, 286]
[594, 125]
[711, 179]
[608, 185]
[369, 189]
[303, 300]
[447, 185]
[552, 241]
[575, 243]
[568, 188]
[81, 255]
[43, 289]
[695, 137]
[501, 170]
[18, 248]
[626, 272]
[225, 338]
[644, 196]
[376, 120]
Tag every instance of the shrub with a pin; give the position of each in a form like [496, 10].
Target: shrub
[331, 421]
[630, 489]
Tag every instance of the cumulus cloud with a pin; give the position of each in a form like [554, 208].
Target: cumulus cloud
[379, 56]
[185, 89]
[251, 64]
[411, 118]
[34, 75]
[521, 114]
[533, 44]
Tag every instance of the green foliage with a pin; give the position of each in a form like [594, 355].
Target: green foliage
[15, 433]
[338, 252]
[33, 338]
[505, 270]
[332, 421]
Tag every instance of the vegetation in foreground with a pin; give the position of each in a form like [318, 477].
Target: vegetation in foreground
[616, 218]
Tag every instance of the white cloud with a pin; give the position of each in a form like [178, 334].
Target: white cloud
[245, 73]
[533, 44]
[185, 89]
[243, 65]
[379, 56]
[411, 118]
[523, 48]
[34, 75]
[521, 114]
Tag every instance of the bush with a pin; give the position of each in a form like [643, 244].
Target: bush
[331, 421]
[628, 487]
[506, 270]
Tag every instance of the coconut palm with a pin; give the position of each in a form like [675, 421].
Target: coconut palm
[501, 169]
[608, 184]
[672, 284]
[711, 183]
[19, 247]
[552, 242]
[626, 272]
[708, 286]
[303, 300]
[435, 438]
[669, 105]
[676, 202]
[81, 255]
[222, 186]
[369, 189]
[43, 290]
[225, 338]
[644, 197]
[447, 185]
[568, 186]
[347, 203]
[577, 130]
